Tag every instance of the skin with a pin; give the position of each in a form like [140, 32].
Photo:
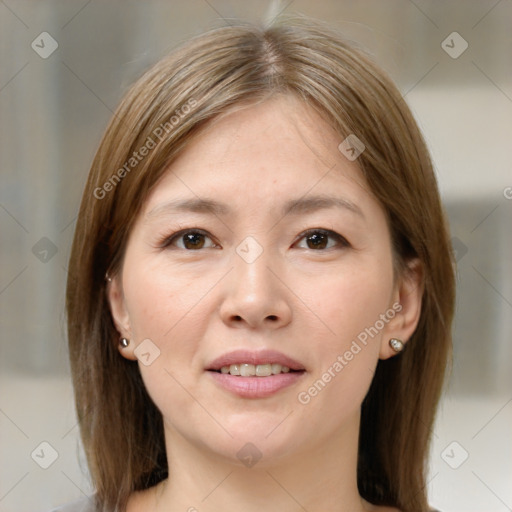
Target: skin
[310, 303]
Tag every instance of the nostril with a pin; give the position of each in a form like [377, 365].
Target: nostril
[272, 317]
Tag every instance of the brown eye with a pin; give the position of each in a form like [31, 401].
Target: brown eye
[189, 240]
[319, 239]
[193, 240]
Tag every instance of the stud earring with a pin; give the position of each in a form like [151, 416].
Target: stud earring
[108, 278]
[124, 342]
[396, 344]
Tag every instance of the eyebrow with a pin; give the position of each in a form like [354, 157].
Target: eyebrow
[292, 207]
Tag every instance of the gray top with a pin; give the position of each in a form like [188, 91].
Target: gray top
[87, 505]
[84, 505]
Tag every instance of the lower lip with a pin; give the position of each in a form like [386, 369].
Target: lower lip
[256, 387]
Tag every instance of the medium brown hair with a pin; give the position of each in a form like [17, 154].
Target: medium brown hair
[121, 428]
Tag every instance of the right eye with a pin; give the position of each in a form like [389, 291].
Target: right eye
[187, 239]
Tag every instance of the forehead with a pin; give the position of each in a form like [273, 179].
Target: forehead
[261, 156]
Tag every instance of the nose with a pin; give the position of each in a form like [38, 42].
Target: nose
[255, 295]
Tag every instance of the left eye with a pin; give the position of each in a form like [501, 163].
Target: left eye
[318, 239]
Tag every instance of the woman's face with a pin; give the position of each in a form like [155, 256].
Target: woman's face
[260, 248]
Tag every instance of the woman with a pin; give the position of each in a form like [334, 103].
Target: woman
[261, 287]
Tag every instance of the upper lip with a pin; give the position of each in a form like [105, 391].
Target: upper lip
[254, 357]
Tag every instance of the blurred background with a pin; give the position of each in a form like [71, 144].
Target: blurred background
[64, 67]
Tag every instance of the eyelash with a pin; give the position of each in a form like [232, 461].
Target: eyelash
[342, 242]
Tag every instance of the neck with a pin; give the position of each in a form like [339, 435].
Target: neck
[315, 478]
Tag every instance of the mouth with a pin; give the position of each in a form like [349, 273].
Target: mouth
[255, 374]
[255, 370]
[262, 363]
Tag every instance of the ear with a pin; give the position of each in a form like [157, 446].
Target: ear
[406, 303]
[120, 316]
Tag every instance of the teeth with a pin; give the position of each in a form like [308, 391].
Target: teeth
[263, 370]
[247, 370]
[251, 370]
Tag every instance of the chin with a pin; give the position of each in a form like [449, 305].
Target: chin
[258, 441]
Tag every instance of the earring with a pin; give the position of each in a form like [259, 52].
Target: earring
[124, 342]
[396, 344]
[108, 278]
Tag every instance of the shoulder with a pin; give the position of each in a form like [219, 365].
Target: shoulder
[83, 505]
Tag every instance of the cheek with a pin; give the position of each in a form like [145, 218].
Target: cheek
[158, 299]
[168, 308]
[351, 307]
[350, 301]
